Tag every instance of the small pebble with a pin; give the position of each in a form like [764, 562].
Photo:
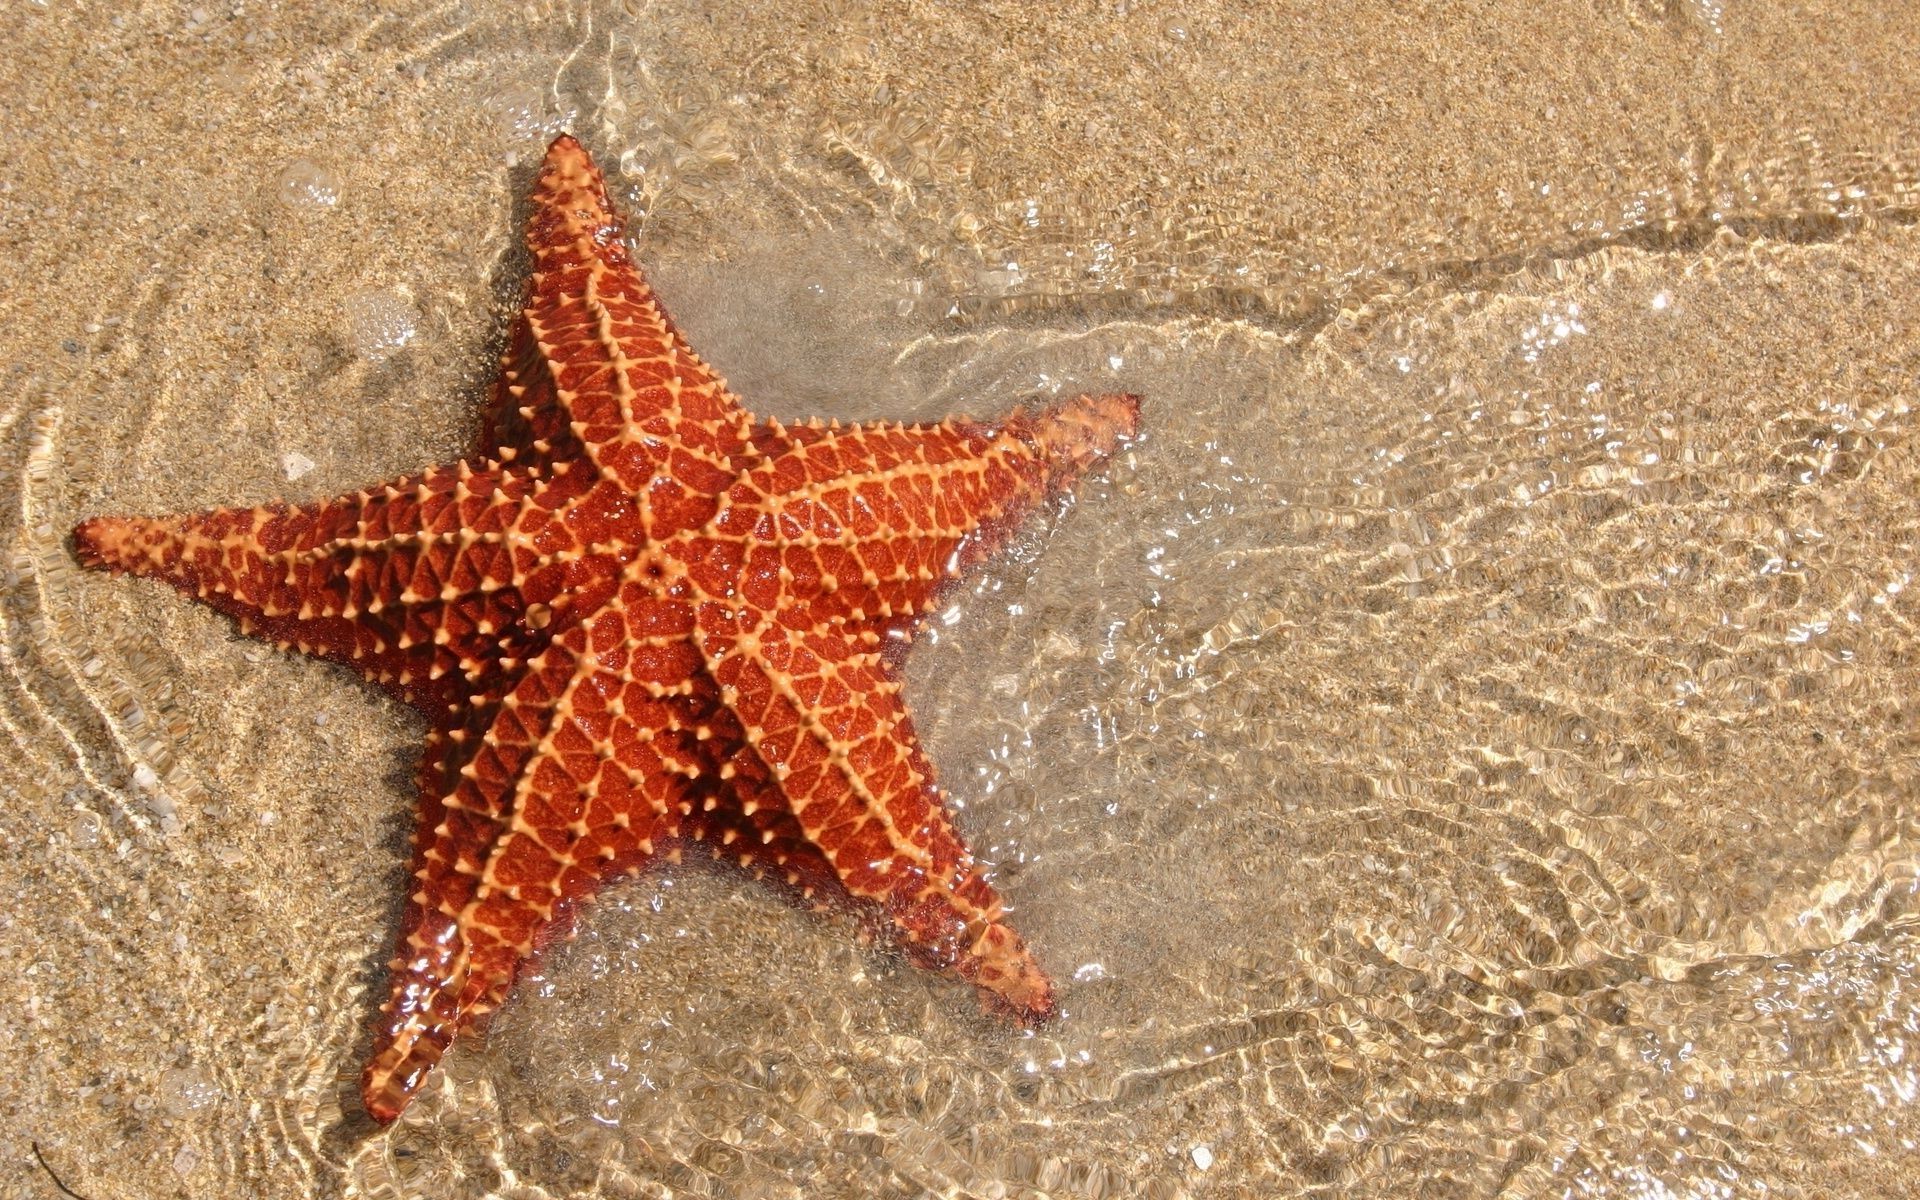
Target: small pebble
[84, 831]
[161, 806]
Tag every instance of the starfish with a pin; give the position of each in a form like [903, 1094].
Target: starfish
[641, 622]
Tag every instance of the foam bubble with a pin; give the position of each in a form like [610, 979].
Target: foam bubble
[305, 186]
[379, 323]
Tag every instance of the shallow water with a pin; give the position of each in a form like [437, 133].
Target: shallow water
[1463, 748]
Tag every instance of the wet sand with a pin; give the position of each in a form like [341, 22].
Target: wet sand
[1464, 749]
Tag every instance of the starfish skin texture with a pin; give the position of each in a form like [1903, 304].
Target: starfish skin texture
[641, 622]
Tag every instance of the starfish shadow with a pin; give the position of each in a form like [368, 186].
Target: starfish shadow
[506, 283]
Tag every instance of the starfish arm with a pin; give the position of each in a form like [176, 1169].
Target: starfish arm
[581, 772]
[827, 761]
[866, 523]
[596, 366]
[407, 582]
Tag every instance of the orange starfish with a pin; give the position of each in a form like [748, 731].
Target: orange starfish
[640, 620]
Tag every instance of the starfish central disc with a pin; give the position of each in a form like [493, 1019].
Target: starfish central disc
[640, 621]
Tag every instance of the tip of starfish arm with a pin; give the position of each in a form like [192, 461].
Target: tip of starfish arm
[387, 1097]
[566, 152]
[1076, 433]
[1009, 979]
[399, 1068]
[572, 215]
[95, 541]
[118, 543]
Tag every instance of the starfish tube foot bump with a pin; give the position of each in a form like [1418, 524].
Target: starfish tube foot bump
[642, 625]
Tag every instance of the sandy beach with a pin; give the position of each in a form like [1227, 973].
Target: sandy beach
[1464, 748]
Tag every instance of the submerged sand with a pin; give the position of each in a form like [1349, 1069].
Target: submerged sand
[1465, 749]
